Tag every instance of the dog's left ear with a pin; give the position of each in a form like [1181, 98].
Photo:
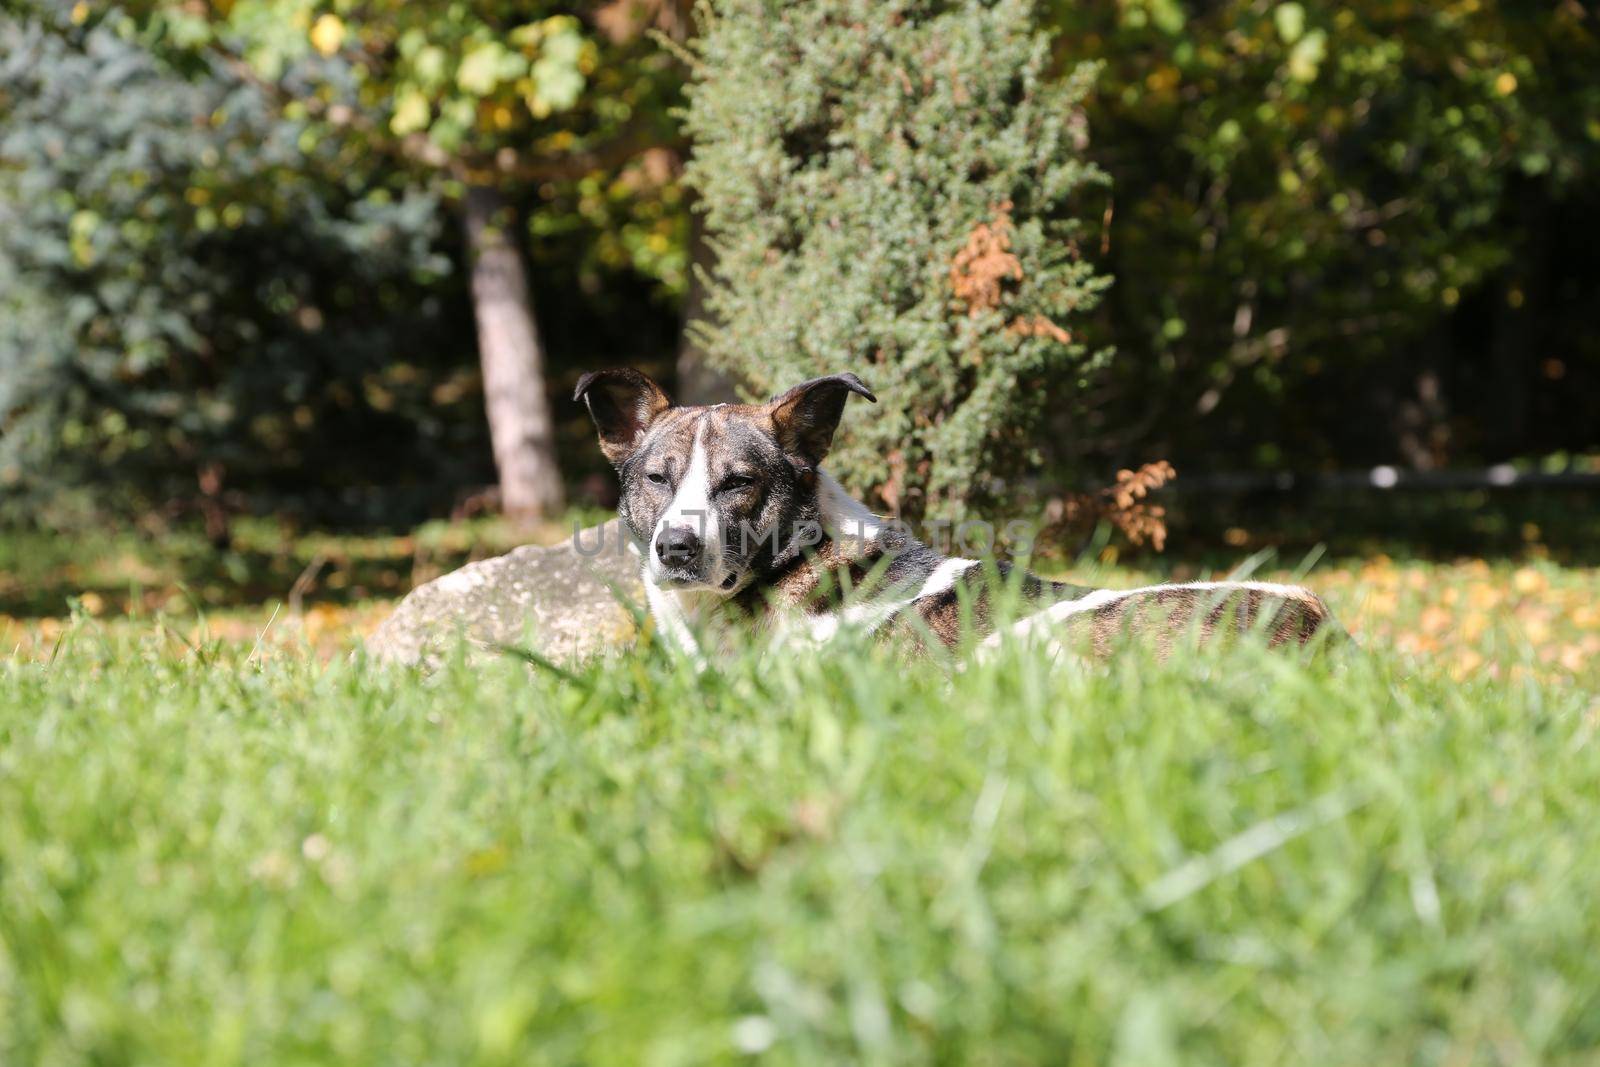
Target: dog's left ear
[623, 404]
[807, 415]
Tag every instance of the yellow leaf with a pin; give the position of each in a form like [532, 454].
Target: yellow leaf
[327, 34]
[1307, 55]
[1436, 619]
[411, 113]
[1528, 580]
[486, 861]
[1506, 84]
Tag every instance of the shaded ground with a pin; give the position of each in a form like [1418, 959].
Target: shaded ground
[178, 569]
[1563, 526]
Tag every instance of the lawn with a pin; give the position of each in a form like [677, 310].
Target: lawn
[216, 849]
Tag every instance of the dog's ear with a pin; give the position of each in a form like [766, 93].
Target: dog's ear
[807, 415]
[623, 404]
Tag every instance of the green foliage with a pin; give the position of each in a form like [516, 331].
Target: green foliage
[224, 229]
[187, 281]
[847, 154]
[570, 117]
[483, 92]
[216, 250]
[1317, 206]
[232, 855]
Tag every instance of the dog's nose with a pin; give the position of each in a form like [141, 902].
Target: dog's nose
[679, 545]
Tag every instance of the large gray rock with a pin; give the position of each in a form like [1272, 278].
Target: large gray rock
[556, 600]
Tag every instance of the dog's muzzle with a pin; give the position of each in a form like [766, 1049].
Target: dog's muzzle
[682, 562]
[680, 548]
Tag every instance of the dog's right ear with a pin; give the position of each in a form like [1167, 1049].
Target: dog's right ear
[623, 404]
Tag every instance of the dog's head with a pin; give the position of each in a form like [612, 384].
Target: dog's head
[714, 495]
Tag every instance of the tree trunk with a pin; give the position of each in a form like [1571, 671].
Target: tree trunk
[698, 382]
[520, 423]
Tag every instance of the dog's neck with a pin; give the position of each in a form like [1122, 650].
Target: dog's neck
[843, 517]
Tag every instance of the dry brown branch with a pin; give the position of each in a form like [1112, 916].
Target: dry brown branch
[1124, 505]
[980, 272]
[985, 263]
[1038, 326]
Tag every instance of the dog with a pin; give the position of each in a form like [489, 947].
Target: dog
[741, 530]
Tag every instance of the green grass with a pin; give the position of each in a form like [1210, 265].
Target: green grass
[240, 855]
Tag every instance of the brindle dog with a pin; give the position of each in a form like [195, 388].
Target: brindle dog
[740, 529]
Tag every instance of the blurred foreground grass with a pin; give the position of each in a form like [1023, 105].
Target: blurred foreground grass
[227, 854]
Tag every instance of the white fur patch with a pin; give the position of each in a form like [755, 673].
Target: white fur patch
[1100, 598]
[858, 619]
[691, 506]
[844, 518]
[667, 609]
[944, 576]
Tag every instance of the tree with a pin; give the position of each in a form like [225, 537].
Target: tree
[890, 188]
[487, 98]
[1323, 210]
[698, 382]
[520, 422]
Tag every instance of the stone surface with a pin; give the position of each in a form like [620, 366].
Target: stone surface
[555, 600]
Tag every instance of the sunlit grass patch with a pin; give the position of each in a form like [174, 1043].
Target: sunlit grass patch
[1470, 616]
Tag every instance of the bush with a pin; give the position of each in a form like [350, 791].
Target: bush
[188, 285]
[890, 188]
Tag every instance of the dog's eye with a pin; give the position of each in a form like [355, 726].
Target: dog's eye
[734, 482]
[656, 478]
